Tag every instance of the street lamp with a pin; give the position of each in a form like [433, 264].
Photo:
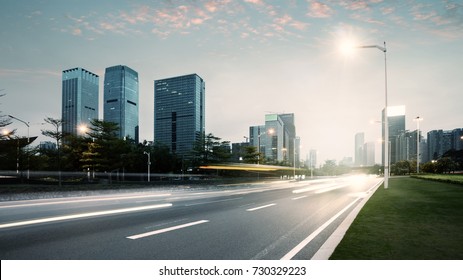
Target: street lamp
[148, 163]
[28, 141]
[386, 127]
[417, 119]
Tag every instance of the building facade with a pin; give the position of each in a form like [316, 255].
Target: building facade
[359, 149]
[79, 99]
[121, 100]
[276, 140]
[369, 154]
[179, 106]
[396, 123]
[258, 138]
[441, 141]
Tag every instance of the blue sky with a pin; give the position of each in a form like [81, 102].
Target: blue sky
[256, 56]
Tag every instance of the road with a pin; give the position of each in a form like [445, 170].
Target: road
[273, 220]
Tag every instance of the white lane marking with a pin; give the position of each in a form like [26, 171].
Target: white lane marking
[314, 234]
[313, 188]
[300, 197]
[208, 202]
[332, 188]
[78, 200]
[133, 237]
[84, 215]
[260, 207]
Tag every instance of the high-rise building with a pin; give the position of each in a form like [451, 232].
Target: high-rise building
[442, 141]
[290, 132]
[277, 140]
[369, 154]
[257, 138]
[121, 103]
[359, 145]
[179, 119]
[276, 148]
[312, 159]
[396, 123]
[79, 99]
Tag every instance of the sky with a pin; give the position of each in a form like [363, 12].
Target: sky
[256, 56]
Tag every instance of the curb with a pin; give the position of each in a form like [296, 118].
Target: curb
[325, 251]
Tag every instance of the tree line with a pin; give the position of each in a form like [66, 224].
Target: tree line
[101, 150]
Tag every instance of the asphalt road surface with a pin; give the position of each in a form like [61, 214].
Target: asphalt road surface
[269, 220]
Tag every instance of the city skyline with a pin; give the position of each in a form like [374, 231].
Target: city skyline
[256, 57]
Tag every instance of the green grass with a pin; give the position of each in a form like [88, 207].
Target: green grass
[446, 178]
[412, 220]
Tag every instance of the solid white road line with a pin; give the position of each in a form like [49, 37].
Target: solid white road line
[84, 215]
[79, 200]
[300, 197]
[314, 234]
[133, 237]
[260, 207]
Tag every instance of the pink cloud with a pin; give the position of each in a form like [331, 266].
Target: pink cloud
[197, 21]
[256, 2]
[77, 32]
[319, 10]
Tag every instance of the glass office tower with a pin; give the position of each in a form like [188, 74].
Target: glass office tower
[121, 100]
[396, 123]
[79, 99]
[179, 118]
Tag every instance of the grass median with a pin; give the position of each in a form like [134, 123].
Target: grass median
[413, 219]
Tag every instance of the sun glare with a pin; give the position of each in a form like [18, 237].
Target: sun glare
[347, 47]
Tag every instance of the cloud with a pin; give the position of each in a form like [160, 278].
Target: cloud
[76, 32]
[256, 2]
[355, 5]
[319, 10]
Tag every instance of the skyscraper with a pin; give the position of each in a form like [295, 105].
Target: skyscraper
[290, 129]
[396, 123]
[179, 118]
[359, 149]
[79, 99]
[277, 142]
[121, 100]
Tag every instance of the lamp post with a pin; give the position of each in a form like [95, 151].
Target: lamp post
[28, 141]
[386, 127]
[148, 163]
[418, 119]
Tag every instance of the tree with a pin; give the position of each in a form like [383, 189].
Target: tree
[251, 155]
[58, 135]
[104, 148]
[208, 149]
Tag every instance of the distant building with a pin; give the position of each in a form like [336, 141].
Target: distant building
[79, 99]
[47, 145]
[347, 161]
[179, 112]
[292, 148]
[121, 100]
[359, 145]
[441, 141]
[396, 123]
[277, 140]
[369, 154]
[238, 151]
[312, 159]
